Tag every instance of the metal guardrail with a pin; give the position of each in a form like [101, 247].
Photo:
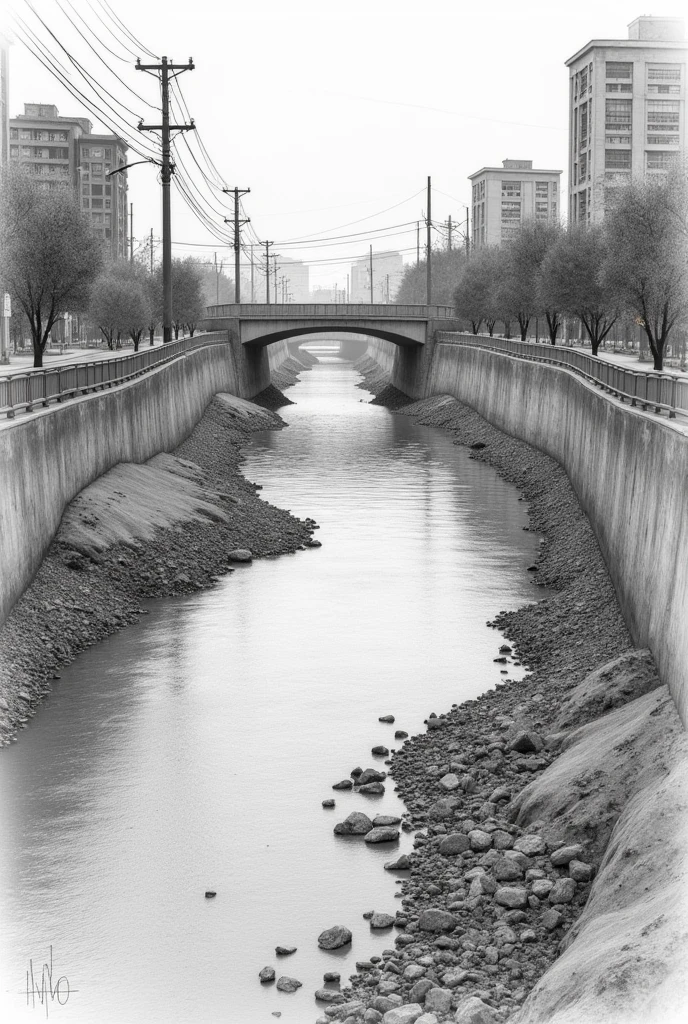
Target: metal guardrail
[338, 310]
[652, 388]
[25, 390]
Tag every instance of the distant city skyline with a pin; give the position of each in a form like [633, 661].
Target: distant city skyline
[345, 143]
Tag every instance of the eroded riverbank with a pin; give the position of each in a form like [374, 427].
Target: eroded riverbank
[519, 792]
[128, 538]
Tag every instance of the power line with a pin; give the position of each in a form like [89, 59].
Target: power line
[103, 4]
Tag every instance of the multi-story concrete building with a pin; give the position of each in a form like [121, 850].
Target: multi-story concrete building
[627, 111]
[388, 270]
[293, 280]
[62, 152]
[4, 101]
[504, 197]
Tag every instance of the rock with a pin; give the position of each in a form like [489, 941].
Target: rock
[385, 819]
[328, 803]
[332, 976]
[420, 989]
[530, 845]
[372, 789]
[502, 840]
[525, 741]
[473, 1010]
[541, 888]
[356, 824]
[386, 834]
[437, 921]
[384, 1003]
[380, 751]
[479, 840]
[344, 784]
[400, 735]
[505, 649]
[313, 543]
[371, 775]
[512, 897]
[453, 844]
[386, 718]
[382, 920]
[561, 857]
[563, 891]
[506, 869]
[436, 723]
[402, 863]
[267, 974]
[284, 950]
[329, 995]
[449, 782]
[407, 1014]
[444, 807]
[413, 972]
[428, 1018]
[334, 938]
[551, 919]
[285, 984]
[579, 871]
[210, 894]
[240, 555]
[500, 793]
[439, 999]
[372, 1016]
[355, 772]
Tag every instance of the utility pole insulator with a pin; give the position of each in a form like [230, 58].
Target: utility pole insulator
[237, 192]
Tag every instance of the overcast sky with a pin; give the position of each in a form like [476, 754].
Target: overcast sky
[332, 113]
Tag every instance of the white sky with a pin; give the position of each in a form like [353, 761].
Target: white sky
[333, 112]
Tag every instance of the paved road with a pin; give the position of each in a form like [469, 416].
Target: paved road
[24, 361]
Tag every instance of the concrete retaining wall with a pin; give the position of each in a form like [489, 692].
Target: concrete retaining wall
[628, 469]
[47, 457]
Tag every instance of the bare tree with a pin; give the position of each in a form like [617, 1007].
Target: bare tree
[520, 297]
[647, 263]
[477, 295]
[571, 281]
[48, 254]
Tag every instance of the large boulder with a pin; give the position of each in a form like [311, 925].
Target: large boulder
[371, 775]
[285, 984]
[473, 1010]
[386, 834]
[454, 843]
[407, 1014]
[334, 938]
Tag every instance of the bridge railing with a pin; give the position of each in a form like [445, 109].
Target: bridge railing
[29, 388]
[645, 388]
[336, 310]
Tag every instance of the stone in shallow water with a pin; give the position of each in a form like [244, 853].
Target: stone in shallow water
[402, 863]
[379, 920]
[385, 819]
[400, 735]
[380, 751]
[267, 974]
[386, 718]
[334, 938]
[329, 995]
[344, 784]
[382, 835]
[240, 555]
[371, 775]
[285, 950]
[372, 789]
[328, 803]
[285, 984]
[356, 824]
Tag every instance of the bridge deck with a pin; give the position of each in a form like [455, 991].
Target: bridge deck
[330, 310]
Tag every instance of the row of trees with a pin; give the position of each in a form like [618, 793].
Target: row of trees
[51, 263]
[632, 266]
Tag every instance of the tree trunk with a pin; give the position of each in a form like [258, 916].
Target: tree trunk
[176, 332]
[192, 328]
[475, 325]
[37, 355]
[151, 334]
[490, 327]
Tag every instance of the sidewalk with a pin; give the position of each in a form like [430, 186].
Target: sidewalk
[629, 361]
[23, 361]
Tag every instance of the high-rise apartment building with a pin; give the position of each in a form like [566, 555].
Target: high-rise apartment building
[627, 111]
[292, 280]
[4, 101]
[504, 197]
[62, 152]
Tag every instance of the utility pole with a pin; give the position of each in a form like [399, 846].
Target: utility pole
[131, 232]
[428, 220]
[348, 293]
[167, 71]
[274, 256]
[417, 243]
[371, 275]
[217, 280]
[388, 289]
[468, 244]
[238, 192]
[449, 233]
[267, 270]
[151, 251]
[253, 293]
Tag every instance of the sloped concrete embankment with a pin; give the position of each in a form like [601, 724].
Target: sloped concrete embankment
[577, 773]
[48, 456]
[140, 531]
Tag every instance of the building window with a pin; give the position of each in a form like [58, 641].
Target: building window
[96, 190]
[108, 204]
[85, 190]
[659, 160]
[584, 126]
[85, 152]
[96, 168]
[97, 204]
[541, 210]
[511, 189]
[541, 189]
[662, 140]
[511, 210]
[582, 206]
[619, 69]
[25, 134]
[618, 115]
[85, 203]
[617, 159]
[26, 150]
[619, 140]
[97, 152]
[619, 87]
[14, 133]
[583, 167]
[663, 115]
[107, 154]
[663, 73]
[14, 151]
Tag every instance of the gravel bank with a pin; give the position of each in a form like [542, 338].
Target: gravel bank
[514, 795]
[97, 572]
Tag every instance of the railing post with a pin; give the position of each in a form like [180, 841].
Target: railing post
[672, 409]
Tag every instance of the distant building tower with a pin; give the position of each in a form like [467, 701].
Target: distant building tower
[62, 152]
[627, 111]
[388, 270]
[504, 197]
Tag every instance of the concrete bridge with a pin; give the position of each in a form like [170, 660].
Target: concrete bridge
[259, 325]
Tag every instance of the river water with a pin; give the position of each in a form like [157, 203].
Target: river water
[192, 751]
